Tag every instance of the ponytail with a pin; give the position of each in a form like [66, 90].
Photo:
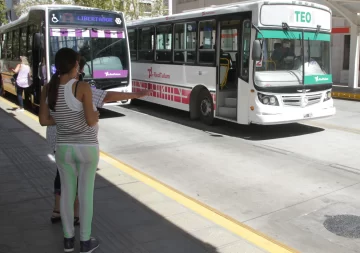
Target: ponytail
[52, 91]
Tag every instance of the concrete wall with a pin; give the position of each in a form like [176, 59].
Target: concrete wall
[10, 8]
[337, 45]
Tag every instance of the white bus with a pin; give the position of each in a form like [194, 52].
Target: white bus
[262, 62]
[99, 36]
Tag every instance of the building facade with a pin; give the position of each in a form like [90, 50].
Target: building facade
[342, 55]
[10, 13]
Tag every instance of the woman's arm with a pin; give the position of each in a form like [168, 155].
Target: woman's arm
[118, 96]
[17, 69]
[45, 118]
[91, 116]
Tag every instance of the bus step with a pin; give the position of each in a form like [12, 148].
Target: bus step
[227, 112]
[231, 102]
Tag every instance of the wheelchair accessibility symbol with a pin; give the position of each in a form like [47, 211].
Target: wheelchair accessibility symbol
[54, 19]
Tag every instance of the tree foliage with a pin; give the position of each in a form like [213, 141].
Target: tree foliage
[132, 9]
[23, 6]
[3, 19]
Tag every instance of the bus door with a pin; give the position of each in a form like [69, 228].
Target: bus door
[227, 53]
[38, 64]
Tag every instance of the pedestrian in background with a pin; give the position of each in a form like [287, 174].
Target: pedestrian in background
[23, 82]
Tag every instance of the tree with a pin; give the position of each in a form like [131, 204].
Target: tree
[101, 4]
[159, 8]
[132, 9]
[24, 6]
[3, 19]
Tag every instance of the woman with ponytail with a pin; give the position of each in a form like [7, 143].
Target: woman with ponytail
[65, 103]
[69, 106]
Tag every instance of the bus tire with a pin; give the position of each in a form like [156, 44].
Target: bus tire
[206, 107]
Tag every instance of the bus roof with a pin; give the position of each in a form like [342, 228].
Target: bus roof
[224, 9]
[24, 18]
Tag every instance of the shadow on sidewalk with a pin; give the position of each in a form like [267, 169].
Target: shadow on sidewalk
[121, 222]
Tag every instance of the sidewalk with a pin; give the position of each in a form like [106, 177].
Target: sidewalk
[345, 92]
[129, 216]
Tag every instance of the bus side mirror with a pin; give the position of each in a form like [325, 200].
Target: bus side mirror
[256, 51]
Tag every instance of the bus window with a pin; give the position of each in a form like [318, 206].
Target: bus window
[133, 43]
[23, 38]
[185, 42]
[32, 30]
[79, 44]
[3, 46]
[16, 43]
[207, 36]
[164, 43]
[146, 44]
[9, 45]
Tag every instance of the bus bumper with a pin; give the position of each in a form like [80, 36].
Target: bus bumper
[272, 117]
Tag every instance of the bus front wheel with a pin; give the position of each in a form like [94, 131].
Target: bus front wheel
[206, 107]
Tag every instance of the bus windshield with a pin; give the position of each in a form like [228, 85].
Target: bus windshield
[284, 55]
[105, 51]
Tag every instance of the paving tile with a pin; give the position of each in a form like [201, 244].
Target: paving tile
[241, 246]
[189, 221]
[10, 176]
[9, 187]
[115, 177]
[143, 193]
[152, 231]
[215, 236]
[167, 208]
[22, 194]
[7, 166]
[179, 244]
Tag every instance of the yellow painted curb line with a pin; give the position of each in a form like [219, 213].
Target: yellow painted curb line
[238, 228]
[345, 95]
[204, 210]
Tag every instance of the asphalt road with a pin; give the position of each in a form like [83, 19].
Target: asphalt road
[286, 181]
[289, 181]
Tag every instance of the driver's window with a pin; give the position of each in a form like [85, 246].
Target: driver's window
[245, 50]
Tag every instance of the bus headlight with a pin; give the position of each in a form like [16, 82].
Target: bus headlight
[327, 96]
[268, 99]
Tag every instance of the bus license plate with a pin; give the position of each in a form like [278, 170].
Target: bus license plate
[307, 115]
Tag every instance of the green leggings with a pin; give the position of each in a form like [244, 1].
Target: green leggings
[77, 164]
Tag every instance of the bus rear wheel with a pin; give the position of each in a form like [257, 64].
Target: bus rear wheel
[206, 107]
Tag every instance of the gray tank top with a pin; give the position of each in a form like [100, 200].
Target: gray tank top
[71, 126]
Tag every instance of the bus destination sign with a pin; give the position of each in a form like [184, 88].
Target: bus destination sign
[69, 17]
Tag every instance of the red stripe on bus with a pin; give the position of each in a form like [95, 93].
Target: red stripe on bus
[340, 30]
[166, 92]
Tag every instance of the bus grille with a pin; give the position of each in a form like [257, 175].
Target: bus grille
[301, 100]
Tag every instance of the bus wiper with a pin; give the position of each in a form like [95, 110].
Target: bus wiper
[287, 29]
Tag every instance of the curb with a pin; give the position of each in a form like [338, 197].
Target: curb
[346, 95]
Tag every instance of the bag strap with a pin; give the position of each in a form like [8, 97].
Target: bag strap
[76, 85]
